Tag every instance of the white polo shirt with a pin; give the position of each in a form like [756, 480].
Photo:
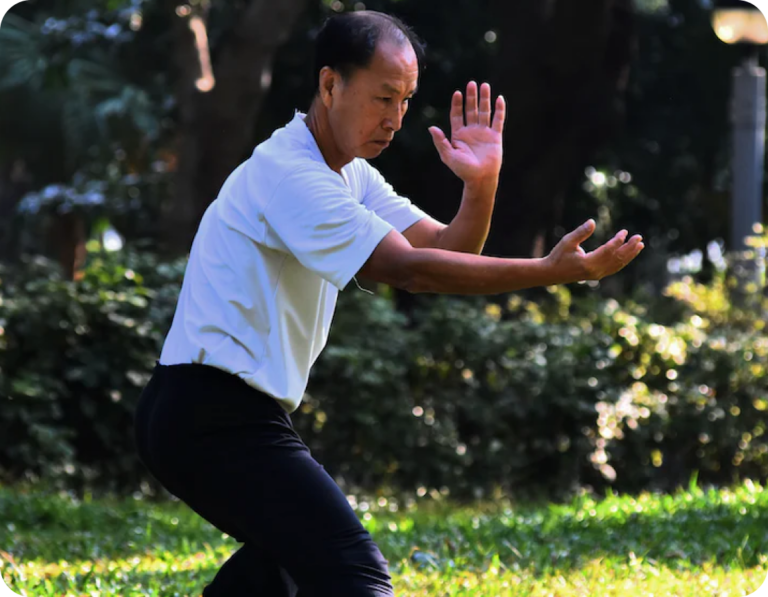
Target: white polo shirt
[284, 235]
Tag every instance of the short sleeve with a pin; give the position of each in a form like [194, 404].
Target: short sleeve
[381, 198]
[320, 223]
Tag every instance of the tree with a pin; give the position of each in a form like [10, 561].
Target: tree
[215, 128]
[109, 86]
[67, 104]
[564, 67]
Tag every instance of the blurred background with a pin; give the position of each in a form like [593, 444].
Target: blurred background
[120, 120]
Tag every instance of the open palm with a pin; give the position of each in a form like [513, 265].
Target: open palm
[474, 151]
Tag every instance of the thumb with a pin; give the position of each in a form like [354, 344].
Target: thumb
[441, 142]
[582, 233]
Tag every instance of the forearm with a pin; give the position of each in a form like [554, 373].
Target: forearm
[469, 229]
[447, 272]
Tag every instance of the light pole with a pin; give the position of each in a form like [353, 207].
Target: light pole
[737, 22]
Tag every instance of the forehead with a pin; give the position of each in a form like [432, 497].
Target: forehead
[394, 65]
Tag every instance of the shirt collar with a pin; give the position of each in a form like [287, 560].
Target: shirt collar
[301, 130]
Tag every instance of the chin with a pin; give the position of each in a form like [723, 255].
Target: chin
[371, 152]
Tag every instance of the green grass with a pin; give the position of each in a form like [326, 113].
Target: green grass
[693, 543]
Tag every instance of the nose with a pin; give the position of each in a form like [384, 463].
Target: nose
[394, 120]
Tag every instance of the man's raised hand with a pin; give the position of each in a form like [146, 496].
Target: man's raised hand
[474, 150]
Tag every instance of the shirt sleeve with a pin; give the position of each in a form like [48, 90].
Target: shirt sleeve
[322, 225]
[381, 198]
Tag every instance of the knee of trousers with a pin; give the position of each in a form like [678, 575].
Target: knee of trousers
[354, 568]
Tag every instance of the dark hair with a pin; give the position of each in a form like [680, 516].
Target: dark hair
[347, 41]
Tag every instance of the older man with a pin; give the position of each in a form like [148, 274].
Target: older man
[291, 227]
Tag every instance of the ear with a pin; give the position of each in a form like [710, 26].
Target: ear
[329, 84]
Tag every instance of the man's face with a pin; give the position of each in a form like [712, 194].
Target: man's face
[368, 108]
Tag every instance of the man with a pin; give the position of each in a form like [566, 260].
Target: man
[291, 226]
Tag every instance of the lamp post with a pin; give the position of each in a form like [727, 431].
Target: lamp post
[737, 22]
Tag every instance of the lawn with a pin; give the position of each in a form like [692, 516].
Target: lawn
[693, 543]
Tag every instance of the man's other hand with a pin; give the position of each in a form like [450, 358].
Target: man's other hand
[570, 263]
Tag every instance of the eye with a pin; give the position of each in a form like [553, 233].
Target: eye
[385, 99]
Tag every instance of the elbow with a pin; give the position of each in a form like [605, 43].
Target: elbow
[396, 263]
[413, 281]
[413, 285]
[398, 275]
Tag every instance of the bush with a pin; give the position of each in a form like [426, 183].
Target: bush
[74, 357]
[464, 396]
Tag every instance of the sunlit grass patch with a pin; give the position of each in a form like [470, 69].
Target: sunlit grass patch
[691, 543]
[597, 578]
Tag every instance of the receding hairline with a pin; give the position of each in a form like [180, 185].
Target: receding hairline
[389, 33]
[389, 29]
[362, 35]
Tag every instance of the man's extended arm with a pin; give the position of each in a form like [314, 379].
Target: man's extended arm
[397, 263]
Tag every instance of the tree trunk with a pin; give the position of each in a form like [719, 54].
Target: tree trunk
[69, 235]
[215, 127]
[563, 69]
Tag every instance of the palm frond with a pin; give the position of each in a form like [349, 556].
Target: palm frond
[22, 59]
[134, 107]
[95, 77]
[78, 125]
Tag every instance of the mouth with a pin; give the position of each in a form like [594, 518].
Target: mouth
[381, 143]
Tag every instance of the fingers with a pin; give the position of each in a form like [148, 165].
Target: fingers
[500, 115]
[457, 113]
[582, 233]
[471, 110]
[628, 251]
[608, 250]
[615, 254]
[484, 113]
[442, 144]
[477, 111]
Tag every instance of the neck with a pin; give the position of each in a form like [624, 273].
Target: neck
[319, 125]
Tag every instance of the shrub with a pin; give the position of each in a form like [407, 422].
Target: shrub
[463, 396]
[73, 358]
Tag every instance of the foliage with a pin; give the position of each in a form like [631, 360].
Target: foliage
[79, 116]
[551, 393]
[465, 397]
[73, 358]
[687, 544]
[71, 68]
[668, 173]
[104, 199]
[80, 82]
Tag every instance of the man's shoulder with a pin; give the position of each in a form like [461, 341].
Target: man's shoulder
[283, 145]
[284, 168]
[287, 151]
[368, 176]
[296, 176]
[365, 168]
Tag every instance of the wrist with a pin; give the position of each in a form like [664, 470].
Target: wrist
[563, 271]
[485, 185]
[550, 271]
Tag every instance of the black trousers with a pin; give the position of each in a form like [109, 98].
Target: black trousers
[232, 455]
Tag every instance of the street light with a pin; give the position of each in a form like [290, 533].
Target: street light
[737, 22]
